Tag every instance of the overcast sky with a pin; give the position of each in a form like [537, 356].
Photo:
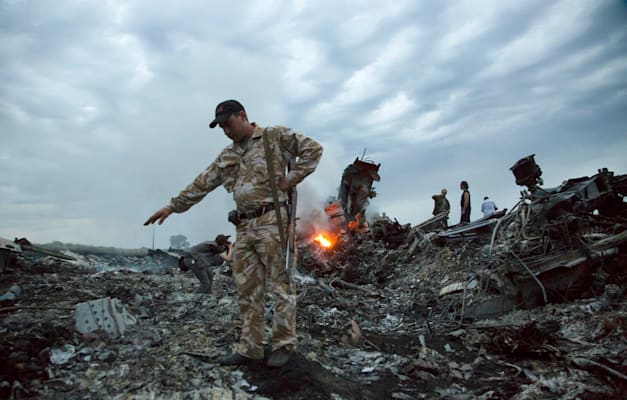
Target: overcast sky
[105, 105]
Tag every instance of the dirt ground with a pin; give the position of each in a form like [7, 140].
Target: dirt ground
[372, 324]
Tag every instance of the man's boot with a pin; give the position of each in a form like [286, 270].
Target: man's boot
[279, 357]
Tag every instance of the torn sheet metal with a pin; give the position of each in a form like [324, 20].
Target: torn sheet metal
[458, 287]
[552, 244]
[468, 228]
[107, 314]
[9, 245]
[433, 222]
[6, 248]
[356, 188]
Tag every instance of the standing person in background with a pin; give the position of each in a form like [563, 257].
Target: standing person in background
[441, 204]
[258, 256]
[465, 203]
[488, 207]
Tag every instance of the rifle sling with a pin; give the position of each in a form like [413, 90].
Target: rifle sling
[273, 185]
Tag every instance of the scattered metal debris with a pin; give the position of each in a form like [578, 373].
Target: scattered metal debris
[356, 190]
[106, 314]
[529, 303]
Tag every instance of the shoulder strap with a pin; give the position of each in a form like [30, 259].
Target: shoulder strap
[273, 184]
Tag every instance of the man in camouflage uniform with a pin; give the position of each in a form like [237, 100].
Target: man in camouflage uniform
[441, 204]
[258, 257]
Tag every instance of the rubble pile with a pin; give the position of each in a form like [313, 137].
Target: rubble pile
[362, 335]
[528, 304]
[556, 244]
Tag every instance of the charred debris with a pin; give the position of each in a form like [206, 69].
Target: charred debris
[527, 303]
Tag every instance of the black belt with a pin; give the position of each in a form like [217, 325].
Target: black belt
[260, 211]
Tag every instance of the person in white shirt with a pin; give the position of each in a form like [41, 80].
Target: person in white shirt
[488, 207]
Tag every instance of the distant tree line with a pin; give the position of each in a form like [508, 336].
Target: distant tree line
[178, 242]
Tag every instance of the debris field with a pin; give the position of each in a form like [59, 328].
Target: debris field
[526, 304]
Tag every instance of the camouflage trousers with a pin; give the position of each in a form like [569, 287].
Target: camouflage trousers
[259, 267]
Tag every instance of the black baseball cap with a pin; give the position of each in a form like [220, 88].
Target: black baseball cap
[224, 111]
[222, 239]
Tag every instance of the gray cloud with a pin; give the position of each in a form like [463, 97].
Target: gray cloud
[104, 106]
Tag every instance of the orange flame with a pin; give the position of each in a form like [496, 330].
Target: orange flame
[324, 240]
[354, 224]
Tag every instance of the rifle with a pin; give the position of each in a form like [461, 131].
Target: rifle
[291, 228]
[291, 208]
[273, 184]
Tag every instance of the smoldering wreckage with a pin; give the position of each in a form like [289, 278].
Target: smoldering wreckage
[527, 303]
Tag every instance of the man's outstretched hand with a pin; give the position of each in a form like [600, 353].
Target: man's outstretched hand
[160, 216]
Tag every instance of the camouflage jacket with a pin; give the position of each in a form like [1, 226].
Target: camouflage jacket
[441, 204]
[243, 170]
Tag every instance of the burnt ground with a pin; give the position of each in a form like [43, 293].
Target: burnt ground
[371, 325]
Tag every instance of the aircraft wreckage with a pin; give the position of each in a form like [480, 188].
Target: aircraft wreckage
[386, 310]
[547, 248]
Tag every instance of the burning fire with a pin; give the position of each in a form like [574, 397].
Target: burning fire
[354, 224]
[325, 240]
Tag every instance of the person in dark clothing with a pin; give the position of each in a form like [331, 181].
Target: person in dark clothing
[465, 203]
[205, 256]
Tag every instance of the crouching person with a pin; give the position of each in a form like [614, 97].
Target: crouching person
[204, 257]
